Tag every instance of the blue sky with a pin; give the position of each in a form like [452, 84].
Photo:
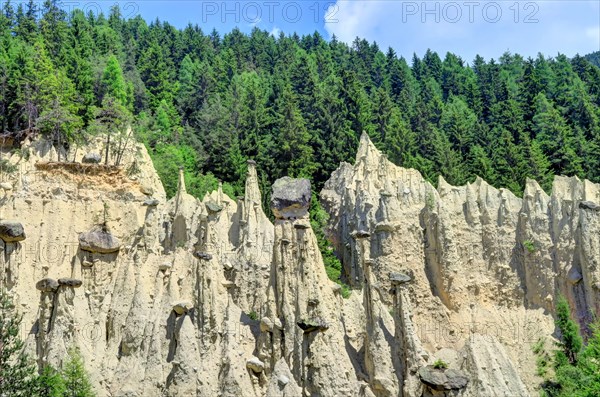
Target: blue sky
[467, 28]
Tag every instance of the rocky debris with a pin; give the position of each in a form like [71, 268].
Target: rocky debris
[164, 266]
[87, 264]
[6, 186]
[283, 380]
[282, 383]
[70, 282]
[11, 231]
[266, 325]
[228, 283]
[146, 189]
[399, 278]
[443, 379]
[574, 275]
[99, 240]
[92, 158]
[151, 202]
[290, 198]
[255, 365]
[313, 302]
[213, 207]
[361, 234]
[182, 307]
[205, 256]
[589, 205]
[47, 285]
[302, 224]
[312, 325]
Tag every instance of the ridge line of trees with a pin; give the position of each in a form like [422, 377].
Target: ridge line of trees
[296, 105]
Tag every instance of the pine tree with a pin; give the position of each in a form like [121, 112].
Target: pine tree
[113, 81]
[75, 377]
[51, 383]
[555, 138]
[112, 120]
[293, 138]
[54, 29]
[17, 370]
[570, 340]
[459, 123]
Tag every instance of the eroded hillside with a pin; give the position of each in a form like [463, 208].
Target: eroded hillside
[186, 297]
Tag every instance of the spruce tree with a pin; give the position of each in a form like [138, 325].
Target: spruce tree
[75, 377]
[570, 340]
[51, 383]
[17, 370]
[113, 81]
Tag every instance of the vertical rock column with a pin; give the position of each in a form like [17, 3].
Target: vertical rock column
[302, 325]
[250, 271]
[414, 355]
[535, 245]
[382, 359]
[588, 273]
[11, 234]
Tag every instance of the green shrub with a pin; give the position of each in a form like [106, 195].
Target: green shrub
[538, 346]
[7, 167]
[440, 364]
[529, 246]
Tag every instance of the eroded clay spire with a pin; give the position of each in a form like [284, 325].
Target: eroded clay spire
[181, 184]
[252, 190]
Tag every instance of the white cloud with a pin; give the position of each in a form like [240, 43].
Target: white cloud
[467, 28]
[594, 34]
[275, 32]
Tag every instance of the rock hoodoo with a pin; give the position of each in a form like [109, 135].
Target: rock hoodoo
[70, 282]
[99, 240]
[436, 380]
[210, 298]
[11, 231]
[290, 198]
[47, 285]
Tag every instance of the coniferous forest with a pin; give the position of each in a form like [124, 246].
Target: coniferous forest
[210, 101]
[296, 105]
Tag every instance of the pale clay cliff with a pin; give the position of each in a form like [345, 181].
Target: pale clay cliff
[209, 298]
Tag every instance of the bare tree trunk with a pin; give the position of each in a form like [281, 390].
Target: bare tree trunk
[122, 150]
[107, 148]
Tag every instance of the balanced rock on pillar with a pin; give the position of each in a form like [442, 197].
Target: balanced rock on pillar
[11, 231]
[290, 198]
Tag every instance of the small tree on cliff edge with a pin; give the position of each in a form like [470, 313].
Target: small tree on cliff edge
[18, 375]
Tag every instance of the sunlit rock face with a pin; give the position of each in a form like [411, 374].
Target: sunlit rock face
[188, 297]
